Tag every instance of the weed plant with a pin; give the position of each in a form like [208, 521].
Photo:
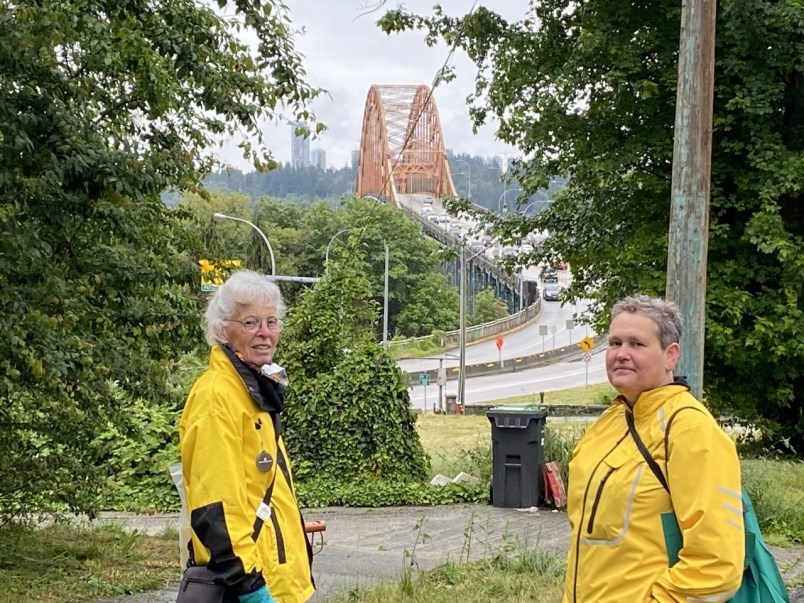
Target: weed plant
[530, 576]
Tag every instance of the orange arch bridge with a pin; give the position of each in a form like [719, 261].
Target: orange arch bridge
[402, 146]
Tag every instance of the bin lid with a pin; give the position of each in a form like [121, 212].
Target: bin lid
[517, 409]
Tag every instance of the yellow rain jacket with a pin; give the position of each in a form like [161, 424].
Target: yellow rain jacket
[615, 502]
[226, 425]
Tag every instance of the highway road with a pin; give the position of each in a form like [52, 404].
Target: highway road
[523, 342]
[553, 377]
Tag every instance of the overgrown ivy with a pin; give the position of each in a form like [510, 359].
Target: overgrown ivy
[348, 409]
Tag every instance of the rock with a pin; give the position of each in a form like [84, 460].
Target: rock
[465, 478]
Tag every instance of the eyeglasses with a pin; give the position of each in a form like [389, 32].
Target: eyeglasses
[252, 325]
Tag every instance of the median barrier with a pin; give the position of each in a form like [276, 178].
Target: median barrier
[509, 365]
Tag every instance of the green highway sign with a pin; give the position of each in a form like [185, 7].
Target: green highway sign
[424, 379]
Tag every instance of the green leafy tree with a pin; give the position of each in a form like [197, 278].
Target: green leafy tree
[411, 257]
[103, 106]
[487, 307]
[589, 89]
[431, 306]
[348, 409]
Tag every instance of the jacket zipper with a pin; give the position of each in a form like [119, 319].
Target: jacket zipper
[578, 537]
[598, 496]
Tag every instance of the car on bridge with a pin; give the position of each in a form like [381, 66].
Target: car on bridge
[549, 275]
[552, 292]
[509, 251]
[476, 245]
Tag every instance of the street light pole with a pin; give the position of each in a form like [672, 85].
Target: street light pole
[326, 255]
[532, 203]
[501, 208]
[462, 324]
[385, 304]
[220, 216]
[469, 173]
[462, 331]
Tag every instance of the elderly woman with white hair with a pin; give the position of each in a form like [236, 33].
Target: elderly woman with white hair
[248, 535]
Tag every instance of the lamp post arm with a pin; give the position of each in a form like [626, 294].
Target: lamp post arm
[220, 216]
[469, 174]
[326, 255]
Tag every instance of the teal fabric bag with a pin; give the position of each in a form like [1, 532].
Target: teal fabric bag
[762, 581]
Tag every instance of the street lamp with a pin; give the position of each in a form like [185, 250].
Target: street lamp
[469, 173]
[220, 216]
[385, 303]
[326, 255]
[531, 204]
[501, 209]
[462, 324]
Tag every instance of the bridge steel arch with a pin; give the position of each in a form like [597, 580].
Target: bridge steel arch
[402, 138]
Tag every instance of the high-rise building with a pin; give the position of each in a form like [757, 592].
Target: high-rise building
[318, 157]
[355, 160]
[299, 146]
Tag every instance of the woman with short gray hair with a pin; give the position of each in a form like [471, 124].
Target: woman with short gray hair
[247, 531]
[626, 528]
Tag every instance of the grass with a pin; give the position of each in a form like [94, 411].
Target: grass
[458, 443]
[67, 564]
[598, 393]
[776, 488]
[532, 576]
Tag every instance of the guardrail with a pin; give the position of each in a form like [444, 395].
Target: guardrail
[485, 330]
[482, 331]
[510, 365]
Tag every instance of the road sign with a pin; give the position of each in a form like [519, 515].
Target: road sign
[586, 344]
[424, 379]
[499, 342]
[570, 324]
[587, 356]
[441, 379]
[542, 329]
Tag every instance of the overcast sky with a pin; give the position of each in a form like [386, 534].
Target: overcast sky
[346, 53]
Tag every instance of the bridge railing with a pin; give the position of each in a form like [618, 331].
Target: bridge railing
[483, 331]
[439, 234]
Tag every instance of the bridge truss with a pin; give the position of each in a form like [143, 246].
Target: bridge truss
[402, 145]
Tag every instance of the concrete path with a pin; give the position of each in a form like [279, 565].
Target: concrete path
[364, 547]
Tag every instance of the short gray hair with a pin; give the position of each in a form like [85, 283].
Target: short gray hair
[664, 313]
[241, 288]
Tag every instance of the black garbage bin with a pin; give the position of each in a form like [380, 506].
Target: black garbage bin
[517, 455]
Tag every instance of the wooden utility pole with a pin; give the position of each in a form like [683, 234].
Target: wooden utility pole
[692, 166]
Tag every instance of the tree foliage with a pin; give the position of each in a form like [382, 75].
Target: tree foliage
[486, 307]
[103, 105]
[589, 89]
[303, 236]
